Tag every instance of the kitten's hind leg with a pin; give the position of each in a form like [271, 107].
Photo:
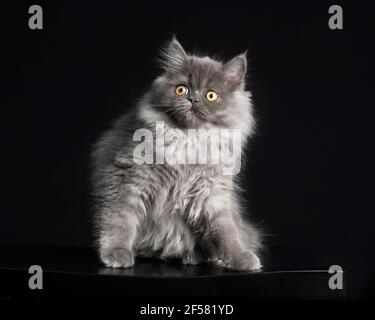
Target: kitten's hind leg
[195, 256]
[201, 253]
[192, 259]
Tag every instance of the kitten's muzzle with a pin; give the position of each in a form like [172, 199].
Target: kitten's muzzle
[193, 99]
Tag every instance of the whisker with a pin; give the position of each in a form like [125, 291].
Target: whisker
[170, 105]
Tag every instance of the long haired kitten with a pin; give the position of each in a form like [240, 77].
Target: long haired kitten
[188, 211]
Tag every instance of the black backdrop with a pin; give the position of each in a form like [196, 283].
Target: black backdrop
[307, 178]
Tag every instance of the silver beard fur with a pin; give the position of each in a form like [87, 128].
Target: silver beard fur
[190, 212]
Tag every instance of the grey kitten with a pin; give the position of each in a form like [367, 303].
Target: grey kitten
[190, 212]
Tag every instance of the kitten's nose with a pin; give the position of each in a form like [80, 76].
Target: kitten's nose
[193, 99]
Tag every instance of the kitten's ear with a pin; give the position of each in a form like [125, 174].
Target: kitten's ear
[173, 56]
[235, 70]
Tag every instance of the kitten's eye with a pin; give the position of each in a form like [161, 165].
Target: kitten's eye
[181, 90]
[211, 96]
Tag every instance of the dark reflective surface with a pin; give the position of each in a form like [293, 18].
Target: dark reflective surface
[287, 273]
[85, 260]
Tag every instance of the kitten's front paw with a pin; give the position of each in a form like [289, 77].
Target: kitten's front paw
[246, 260]
[117, 257]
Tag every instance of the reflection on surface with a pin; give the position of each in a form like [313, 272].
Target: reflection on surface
[155, 268]
[85, 261]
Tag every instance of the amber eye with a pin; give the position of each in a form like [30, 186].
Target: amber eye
[181, 90]
[211, 96]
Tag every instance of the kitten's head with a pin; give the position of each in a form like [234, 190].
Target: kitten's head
[198, 91]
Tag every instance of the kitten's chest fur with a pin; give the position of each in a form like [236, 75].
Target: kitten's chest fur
[178, 211]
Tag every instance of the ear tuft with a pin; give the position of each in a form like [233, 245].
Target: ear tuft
[235, 70]
[173, 56]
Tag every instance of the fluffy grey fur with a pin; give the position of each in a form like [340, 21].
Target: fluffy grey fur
[190, 212]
